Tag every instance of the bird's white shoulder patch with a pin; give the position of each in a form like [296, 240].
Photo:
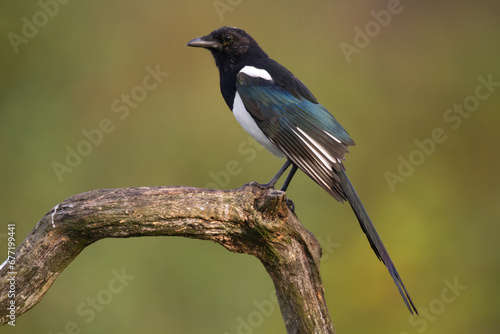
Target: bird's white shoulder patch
[256, 72]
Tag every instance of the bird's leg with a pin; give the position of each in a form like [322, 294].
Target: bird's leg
[276, 177]
[289, 202]
[289, 178]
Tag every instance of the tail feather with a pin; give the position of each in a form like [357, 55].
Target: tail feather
[373, 237]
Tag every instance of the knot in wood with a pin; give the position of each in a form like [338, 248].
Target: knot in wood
[271, 203]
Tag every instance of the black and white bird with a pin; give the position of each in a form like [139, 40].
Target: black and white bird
[280, 113]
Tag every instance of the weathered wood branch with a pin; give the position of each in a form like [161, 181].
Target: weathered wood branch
[248, 220]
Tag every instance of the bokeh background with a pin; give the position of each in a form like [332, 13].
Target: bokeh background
[440, 225]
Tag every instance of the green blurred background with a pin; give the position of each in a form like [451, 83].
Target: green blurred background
[440, 225]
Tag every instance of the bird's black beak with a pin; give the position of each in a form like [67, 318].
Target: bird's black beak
[204, 42]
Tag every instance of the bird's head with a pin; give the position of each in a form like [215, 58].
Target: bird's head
[229, 46]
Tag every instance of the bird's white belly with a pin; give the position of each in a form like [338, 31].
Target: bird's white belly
[248, 124]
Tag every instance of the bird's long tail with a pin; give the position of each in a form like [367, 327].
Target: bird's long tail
[373, 237]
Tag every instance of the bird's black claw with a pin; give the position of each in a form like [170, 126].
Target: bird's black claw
[290, 205]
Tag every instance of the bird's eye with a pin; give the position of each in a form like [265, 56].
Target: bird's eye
[227, 38]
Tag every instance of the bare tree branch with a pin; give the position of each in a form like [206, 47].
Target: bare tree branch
[248, 220]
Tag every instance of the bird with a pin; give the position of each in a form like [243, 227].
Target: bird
[281, 114]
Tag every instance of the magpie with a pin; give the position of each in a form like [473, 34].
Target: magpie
[281, 114]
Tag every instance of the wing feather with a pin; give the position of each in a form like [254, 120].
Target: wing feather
[304, 130]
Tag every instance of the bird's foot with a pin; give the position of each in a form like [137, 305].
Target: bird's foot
[268, 185]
